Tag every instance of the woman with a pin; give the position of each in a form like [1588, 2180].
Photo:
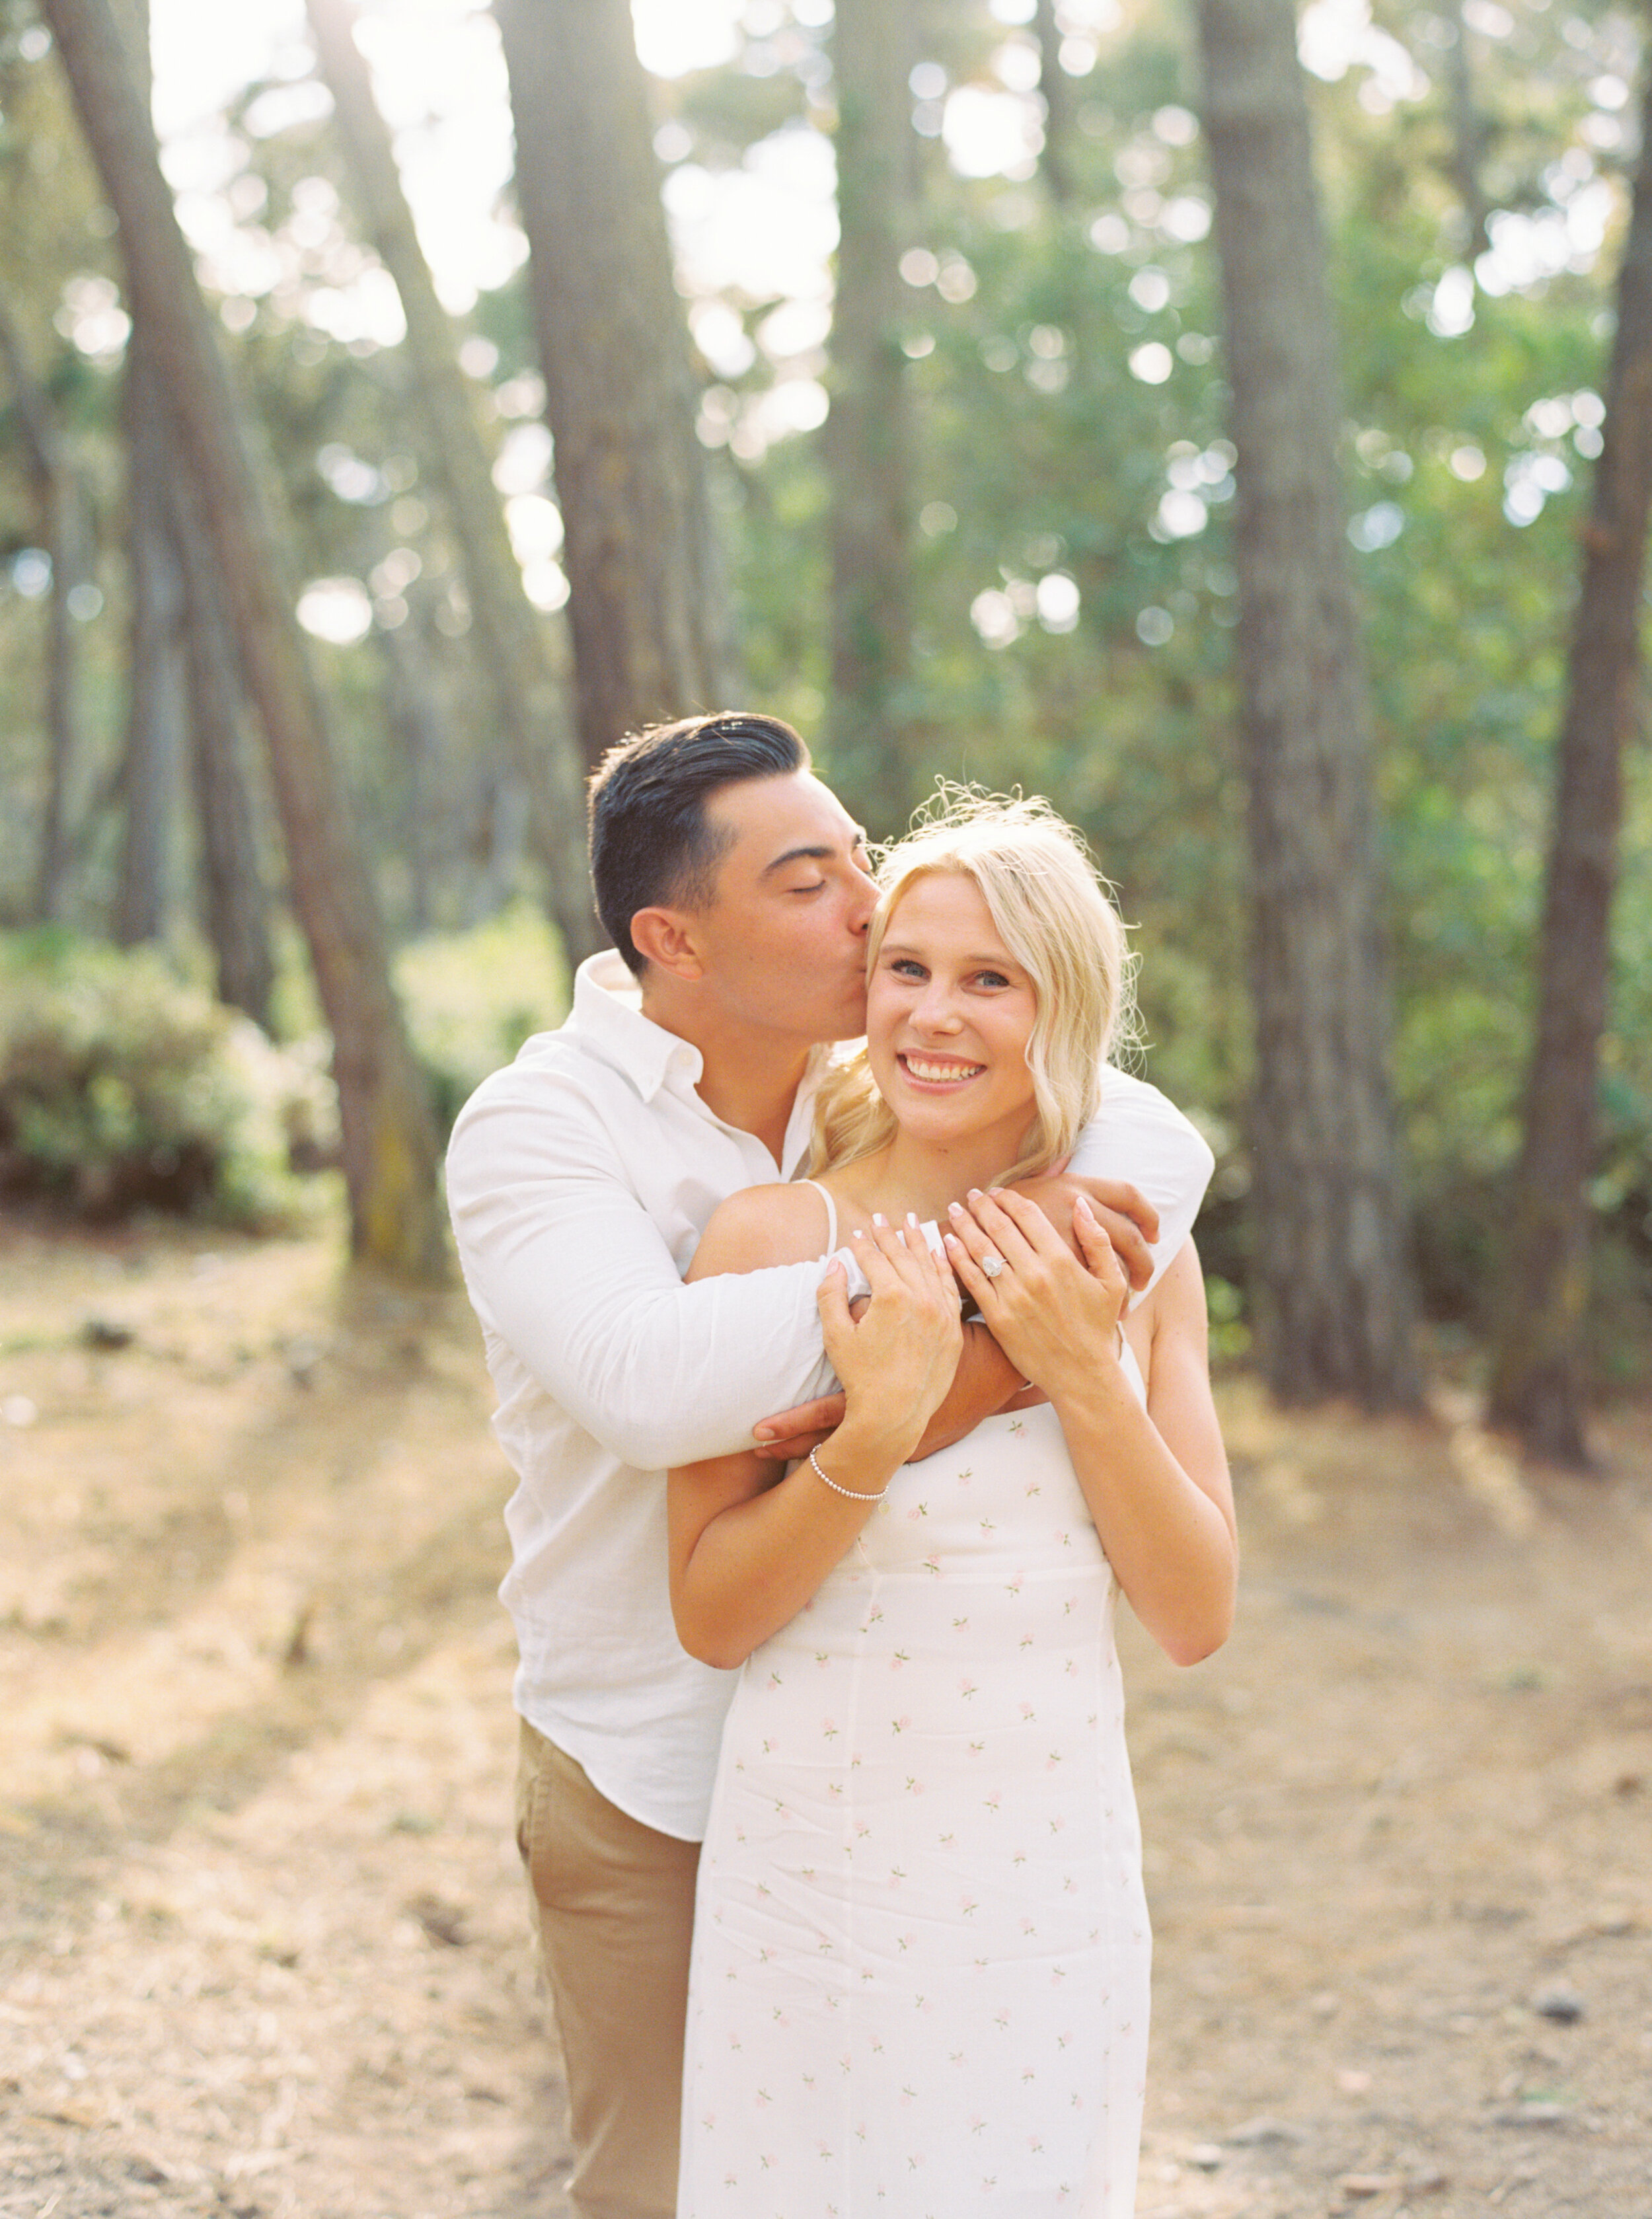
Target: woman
[920, 1955]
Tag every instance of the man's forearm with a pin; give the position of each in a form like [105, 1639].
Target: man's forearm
[985, 1381]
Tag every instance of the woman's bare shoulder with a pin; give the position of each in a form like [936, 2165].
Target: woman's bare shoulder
[761, 1226]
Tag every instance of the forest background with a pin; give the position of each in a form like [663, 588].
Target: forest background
[1066, 581]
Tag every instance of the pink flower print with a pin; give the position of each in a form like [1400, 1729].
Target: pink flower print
[1072, 1668]
[1052, 1760]
[932, 1565]
[918, 1510]
[976, 1747]
[768, 1748]
[1013, 1587]
[904, 1941]
[829, 1729]
[833, 1787]
[987, 1526]
[901, 1724]
[967, 1688]
[897, 1874]
[1027, 1928]
[995, 1799]
[708, 2122]
[1016, 1427]
[965, 1478]
[1001, 2020]
[1056, 1824]
[823, 1656]
[825, 2148]
[847, 2064]
[914, 1786]
[977, 2124]
[908, 2096]
[1032, 1489]
[1034, 2141]
[1026, 1711]
[968, 1905]
[958, 1624]
[954, 2057]
[900, 1657]
[1057, 1973]
[733, 2041]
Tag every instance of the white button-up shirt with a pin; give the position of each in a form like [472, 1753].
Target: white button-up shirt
[580, 1179]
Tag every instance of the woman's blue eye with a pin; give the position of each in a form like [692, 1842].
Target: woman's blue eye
[990, 978]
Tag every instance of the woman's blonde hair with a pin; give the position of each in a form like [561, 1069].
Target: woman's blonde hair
[1055, 918]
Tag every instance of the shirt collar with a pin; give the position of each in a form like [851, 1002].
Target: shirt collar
[608, 1018]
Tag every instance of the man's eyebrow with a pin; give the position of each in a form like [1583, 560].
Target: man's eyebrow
[816, 853]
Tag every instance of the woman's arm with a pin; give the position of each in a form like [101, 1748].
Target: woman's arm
[747, 1551]
[1156, 1479]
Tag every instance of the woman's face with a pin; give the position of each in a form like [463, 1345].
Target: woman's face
[949, 1013]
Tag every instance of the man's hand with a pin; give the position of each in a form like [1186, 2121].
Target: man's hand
[792, 1433]
[1124, 1214]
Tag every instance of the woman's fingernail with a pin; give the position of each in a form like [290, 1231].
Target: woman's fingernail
[857, 1234]
[912, 1219]
[954, 1209]
[878, 1217]
[974, 1194]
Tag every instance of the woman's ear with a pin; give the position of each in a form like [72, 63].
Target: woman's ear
[666, 938]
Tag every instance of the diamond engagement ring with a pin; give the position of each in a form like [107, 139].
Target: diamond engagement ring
[991, 1265]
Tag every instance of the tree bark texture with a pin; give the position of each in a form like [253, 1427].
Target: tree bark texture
[646, 598]
[868, 437]
[389, 1138]
[235, 902]
[1539, 1372]
[509, 633]
[1056, 88]
[62, 525]
[154, 745]
[1332, 1287]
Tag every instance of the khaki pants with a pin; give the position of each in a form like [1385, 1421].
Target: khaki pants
[614, 1905]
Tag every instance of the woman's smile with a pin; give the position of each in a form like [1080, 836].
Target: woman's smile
[937, 1070]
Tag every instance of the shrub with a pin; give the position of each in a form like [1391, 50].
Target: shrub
[122, 1088]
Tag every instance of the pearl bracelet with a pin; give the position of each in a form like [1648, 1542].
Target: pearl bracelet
[852, 1492]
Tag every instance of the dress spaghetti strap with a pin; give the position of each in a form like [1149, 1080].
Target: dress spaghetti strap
[831, 1214]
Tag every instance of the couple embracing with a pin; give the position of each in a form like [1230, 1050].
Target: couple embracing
[861, 1649]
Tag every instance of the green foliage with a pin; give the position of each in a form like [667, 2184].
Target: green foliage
[122, 1088]
[472, 998]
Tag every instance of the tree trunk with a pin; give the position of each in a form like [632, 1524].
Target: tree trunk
[149, 778]
[62, 527]
[868, 433]
[389, 1139]
[509, 632]
[647, 599]
[1539, 1375]
[1056, 87]
[1333, 1288]
[1468, 137]
[235, 902]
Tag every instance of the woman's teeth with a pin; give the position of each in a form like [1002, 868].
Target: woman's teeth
[941, 1074]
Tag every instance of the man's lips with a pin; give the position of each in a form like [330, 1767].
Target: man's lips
[938, 1071]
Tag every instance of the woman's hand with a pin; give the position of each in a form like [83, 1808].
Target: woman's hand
[897, 1361]
[1054, 1318]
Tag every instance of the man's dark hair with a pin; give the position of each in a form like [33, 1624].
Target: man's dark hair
[651, 841]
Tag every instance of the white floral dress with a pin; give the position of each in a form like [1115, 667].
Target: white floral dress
[921, 1960]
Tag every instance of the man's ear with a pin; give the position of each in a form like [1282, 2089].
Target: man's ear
[666, 939]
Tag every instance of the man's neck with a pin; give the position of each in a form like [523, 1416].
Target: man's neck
[748, 1078]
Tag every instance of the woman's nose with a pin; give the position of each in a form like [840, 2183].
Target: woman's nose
[934, 1012]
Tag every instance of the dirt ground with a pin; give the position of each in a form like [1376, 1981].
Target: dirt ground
[263, 1947]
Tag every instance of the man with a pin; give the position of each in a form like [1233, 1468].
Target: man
[735, 888]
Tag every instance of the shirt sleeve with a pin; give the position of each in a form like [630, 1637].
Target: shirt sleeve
[1138, 1135]
[564, 1264]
